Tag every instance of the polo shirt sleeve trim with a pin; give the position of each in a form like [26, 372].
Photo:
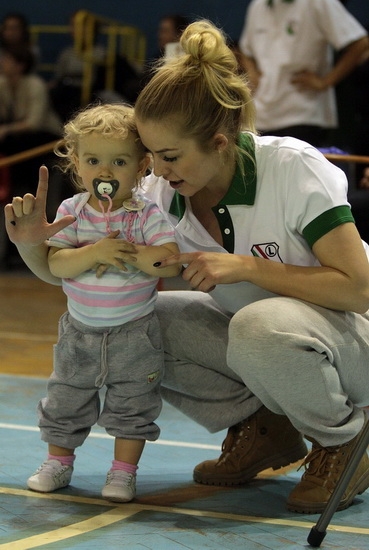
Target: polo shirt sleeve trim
[326, 222]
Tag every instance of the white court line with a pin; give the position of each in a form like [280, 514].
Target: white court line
[165, 442]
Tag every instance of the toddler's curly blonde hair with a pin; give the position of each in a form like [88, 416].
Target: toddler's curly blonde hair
[110, 120]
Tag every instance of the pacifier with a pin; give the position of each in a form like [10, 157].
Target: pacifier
[103, 188]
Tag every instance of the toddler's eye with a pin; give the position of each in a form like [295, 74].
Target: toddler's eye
[120, 162]
[92, 161]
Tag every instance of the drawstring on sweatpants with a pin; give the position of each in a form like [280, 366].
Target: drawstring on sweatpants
[100, 380]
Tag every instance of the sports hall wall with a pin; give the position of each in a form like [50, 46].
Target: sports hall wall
[145, 14]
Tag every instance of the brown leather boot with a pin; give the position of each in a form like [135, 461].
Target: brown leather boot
[325, 466]
[264, 440]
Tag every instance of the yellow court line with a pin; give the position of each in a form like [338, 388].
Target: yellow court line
[56, 496]
[29, 337]
[124, 511]
[76, 529]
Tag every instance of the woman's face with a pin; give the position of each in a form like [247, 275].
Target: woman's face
[166, 33]
[12, 31]
[180, 161]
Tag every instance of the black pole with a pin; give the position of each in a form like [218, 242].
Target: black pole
[318, 532]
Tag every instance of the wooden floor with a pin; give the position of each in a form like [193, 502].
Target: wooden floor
[170, 511]
[30, 310]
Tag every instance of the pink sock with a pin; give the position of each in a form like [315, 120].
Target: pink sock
[65, 460]
[125, 466]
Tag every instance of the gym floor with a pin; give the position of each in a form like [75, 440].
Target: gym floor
[170, 510]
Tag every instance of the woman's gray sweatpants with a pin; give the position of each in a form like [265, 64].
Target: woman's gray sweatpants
[306, 362]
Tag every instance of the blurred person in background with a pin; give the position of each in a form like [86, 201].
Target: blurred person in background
[287, 48]
[66, 85]
[169, 32]
[26, 121]
[15, 33]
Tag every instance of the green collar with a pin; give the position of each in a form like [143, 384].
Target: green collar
[242, 189]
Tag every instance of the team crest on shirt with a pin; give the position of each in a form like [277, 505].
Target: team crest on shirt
[268, 251]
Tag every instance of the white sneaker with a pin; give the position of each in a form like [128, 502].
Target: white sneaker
[120, 486]
[51, 475]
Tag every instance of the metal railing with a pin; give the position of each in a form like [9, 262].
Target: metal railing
[28, 154]
[359, 159]
[350, 161]
[48, 147]
[90, 28]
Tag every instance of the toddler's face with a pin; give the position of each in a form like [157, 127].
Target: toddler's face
[109, 167]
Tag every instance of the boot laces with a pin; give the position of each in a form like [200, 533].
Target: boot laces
[236, 435]
[325, 463]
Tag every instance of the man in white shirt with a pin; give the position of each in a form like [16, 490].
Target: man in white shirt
[287, 50]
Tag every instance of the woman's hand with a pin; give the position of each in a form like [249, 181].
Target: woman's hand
[340, 281]
[307, 81]
[25, 218]
[207, 269]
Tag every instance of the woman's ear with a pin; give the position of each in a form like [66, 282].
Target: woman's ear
[220, 142]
